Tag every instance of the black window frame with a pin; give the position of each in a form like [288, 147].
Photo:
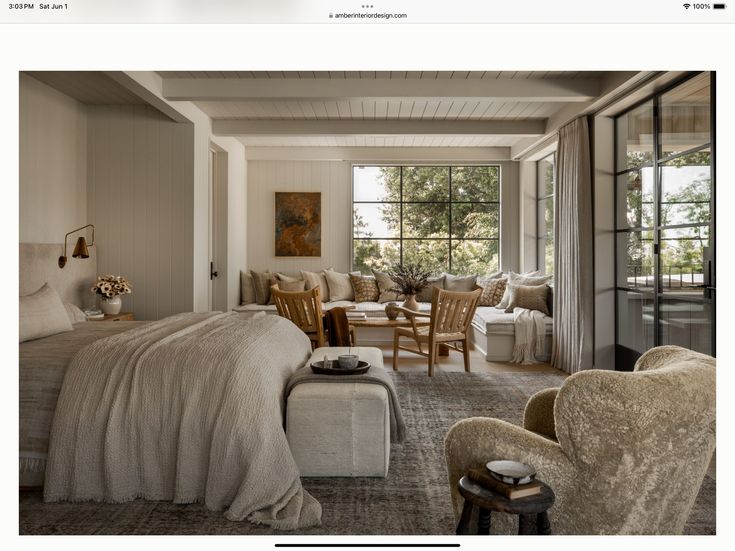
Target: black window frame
[541, 239]
[628, 357]
[450, 202]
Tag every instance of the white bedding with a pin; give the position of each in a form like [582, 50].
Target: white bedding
[188, 408]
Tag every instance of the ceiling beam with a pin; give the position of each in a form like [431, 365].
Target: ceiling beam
[379, 154]
[381, 89]
[257, 127]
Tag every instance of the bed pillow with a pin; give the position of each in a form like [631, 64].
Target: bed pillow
[493, 289]
[42, 314]
[247, 290]
[262, 282]
[386, 285]
[533, 297]
[426, 292]
[340, 287]
[464, 284]
[365, 288]
[317, 279]
[74, 314]
[522, 279]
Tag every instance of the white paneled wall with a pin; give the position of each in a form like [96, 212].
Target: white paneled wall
[53, 169]
[140, 197]
[331, 178]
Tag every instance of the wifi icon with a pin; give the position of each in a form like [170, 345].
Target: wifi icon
[687, 6]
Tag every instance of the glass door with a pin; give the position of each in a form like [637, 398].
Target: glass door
[664, 223]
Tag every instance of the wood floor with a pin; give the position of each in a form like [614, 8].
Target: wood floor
[453, 362]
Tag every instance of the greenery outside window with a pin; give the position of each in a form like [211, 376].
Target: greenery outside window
[545, 184]
[443, 218]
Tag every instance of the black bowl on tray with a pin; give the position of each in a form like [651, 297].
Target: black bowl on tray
[333, 368]
[514, 473]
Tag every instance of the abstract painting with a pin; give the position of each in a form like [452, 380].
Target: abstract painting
[298, 224]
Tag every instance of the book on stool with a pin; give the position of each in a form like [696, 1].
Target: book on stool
[486, 480]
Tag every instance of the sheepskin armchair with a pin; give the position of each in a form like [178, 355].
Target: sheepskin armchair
[625, 453]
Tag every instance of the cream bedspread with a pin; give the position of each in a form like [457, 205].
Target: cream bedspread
[188, 408]
[42, 365]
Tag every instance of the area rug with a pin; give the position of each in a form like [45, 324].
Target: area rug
[412, 500]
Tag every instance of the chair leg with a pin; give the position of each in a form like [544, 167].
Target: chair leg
[466, 353]
[395, 351]
[432, 357]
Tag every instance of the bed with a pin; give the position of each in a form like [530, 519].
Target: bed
[189, 408]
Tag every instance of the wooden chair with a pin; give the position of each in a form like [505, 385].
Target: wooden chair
[304, 309]
[449, 322]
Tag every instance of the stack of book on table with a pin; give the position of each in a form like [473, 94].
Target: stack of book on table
[352, 315]
[483, 477]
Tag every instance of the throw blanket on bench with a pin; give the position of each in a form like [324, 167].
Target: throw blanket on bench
[190, 409]
[530, 335]
[375, 376]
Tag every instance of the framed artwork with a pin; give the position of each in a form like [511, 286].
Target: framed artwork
[298, 224]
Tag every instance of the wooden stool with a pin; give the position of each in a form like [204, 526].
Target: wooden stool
[531, 510]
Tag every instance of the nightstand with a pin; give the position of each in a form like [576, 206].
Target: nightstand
[122, 316]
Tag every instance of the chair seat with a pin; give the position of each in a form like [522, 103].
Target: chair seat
[423, 334]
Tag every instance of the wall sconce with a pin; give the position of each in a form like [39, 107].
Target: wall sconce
[80, 249]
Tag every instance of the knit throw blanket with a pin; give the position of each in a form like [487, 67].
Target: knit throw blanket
[189, 409]
[530, 334]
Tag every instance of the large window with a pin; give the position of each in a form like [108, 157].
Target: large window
[444, 218]
[545, 214]
[664, 222]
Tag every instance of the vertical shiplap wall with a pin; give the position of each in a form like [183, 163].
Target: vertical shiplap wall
[331, 178]
[140, 197]
[53, 167]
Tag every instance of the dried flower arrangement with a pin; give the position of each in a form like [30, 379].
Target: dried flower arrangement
[109, 286]
[410, 279]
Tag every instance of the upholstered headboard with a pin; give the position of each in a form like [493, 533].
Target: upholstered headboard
[39, 264]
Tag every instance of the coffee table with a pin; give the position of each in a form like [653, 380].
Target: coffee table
[401, 322]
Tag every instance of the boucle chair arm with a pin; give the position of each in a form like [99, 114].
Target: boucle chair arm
[475, 441]
[538, 416]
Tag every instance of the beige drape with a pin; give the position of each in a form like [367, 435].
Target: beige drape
[572, 347]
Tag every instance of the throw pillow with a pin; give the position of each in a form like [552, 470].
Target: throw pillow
[365, 288]
[521, 279]
[492, 290]
[247, 290]
[290, 279]
[462, 284]
[340, 287]
[74, 314]
[532, 297]
[425, 294]
[262, 282]
[385, 285]
[317, 279]
[296, 285]
[42, 314]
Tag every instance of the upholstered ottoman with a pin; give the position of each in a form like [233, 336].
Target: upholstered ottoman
[340, 428]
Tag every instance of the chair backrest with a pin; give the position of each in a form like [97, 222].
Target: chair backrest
[303, 308]
[452, 311]
[640, 442]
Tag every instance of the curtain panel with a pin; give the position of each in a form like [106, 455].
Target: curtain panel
[572, 346]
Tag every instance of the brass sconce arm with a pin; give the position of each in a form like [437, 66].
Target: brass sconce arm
[80, 249]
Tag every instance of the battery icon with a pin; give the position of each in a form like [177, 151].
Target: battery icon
[719, 6]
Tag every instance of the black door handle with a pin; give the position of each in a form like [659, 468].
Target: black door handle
[212, 273]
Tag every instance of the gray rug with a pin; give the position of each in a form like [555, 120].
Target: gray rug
[413, 499]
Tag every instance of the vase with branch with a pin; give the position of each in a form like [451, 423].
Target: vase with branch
[410, 279]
